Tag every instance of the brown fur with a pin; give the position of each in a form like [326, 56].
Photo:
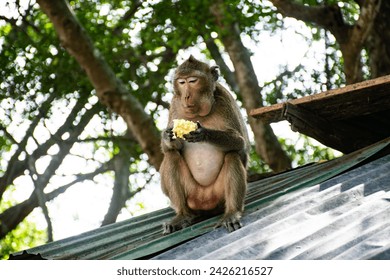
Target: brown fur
[216, 152]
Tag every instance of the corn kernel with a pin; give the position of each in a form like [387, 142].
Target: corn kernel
[182, 127]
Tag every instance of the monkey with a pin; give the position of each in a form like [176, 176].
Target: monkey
[204, 174]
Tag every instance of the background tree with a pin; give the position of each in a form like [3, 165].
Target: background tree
[354, 33]
[85, 85]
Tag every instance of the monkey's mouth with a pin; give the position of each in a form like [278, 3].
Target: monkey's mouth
[190, 109]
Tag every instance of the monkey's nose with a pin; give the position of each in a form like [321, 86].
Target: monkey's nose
[187, 102]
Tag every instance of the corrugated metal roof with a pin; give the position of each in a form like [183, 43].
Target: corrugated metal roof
[343, 218]
[336, 209]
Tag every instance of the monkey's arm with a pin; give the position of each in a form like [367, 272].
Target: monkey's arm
[169, 143]
[228, 140]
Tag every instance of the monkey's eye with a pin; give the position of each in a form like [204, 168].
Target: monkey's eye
[192, 79]
[181, 81]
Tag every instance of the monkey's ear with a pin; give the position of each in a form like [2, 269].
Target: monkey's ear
[214, 72]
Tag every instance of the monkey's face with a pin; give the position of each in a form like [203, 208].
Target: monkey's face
[196, 95]
[194, 86]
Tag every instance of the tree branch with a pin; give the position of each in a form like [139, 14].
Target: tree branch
[108, 166]
[41, 198]
[7, 134]
[15, 166]
[11, 217]
[216, 55]
[135, 5]
[361, 30]
[350, 38]
[267, 145]
[14, 215]
[110, 90]
[325, 16]
[157, 77]
[121, 186]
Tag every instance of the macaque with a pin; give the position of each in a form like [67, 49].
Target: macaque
[204, 172]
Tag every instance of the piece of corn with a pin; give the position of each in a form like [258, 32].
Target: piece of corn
[182, 127]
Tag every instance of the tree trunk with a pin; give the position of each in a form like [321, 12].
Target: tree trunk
[110, 90]
[378, 42]
[266, 143]
[121, 192]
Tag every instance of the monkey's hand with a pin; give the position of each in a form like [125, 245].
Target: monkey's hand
[169, 141]
[198, 135]
[169, 135]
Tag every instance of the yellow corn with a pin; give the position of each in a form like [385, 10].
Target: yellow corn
[182, 127]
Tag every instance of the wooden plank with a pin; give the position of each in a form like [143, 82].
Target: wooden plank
[353, 100]
[336, 134]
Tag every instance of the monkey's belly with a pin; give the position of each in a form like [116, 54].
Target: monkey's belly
[204, 161]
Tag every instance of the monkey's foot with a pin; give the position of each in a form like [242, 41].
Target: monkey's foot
[230, 221]
[177, 223]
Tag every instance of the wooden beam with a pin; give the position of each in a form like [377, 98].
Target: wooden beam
[353, 100]
[336, 134]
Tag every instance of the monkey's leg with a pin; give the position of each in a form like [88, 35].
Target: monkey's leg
[176, 180]
[233, 178]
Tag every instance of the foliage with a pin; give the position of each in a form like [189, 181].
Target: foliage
[24, 236]
[303, 151]
[255, 164]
